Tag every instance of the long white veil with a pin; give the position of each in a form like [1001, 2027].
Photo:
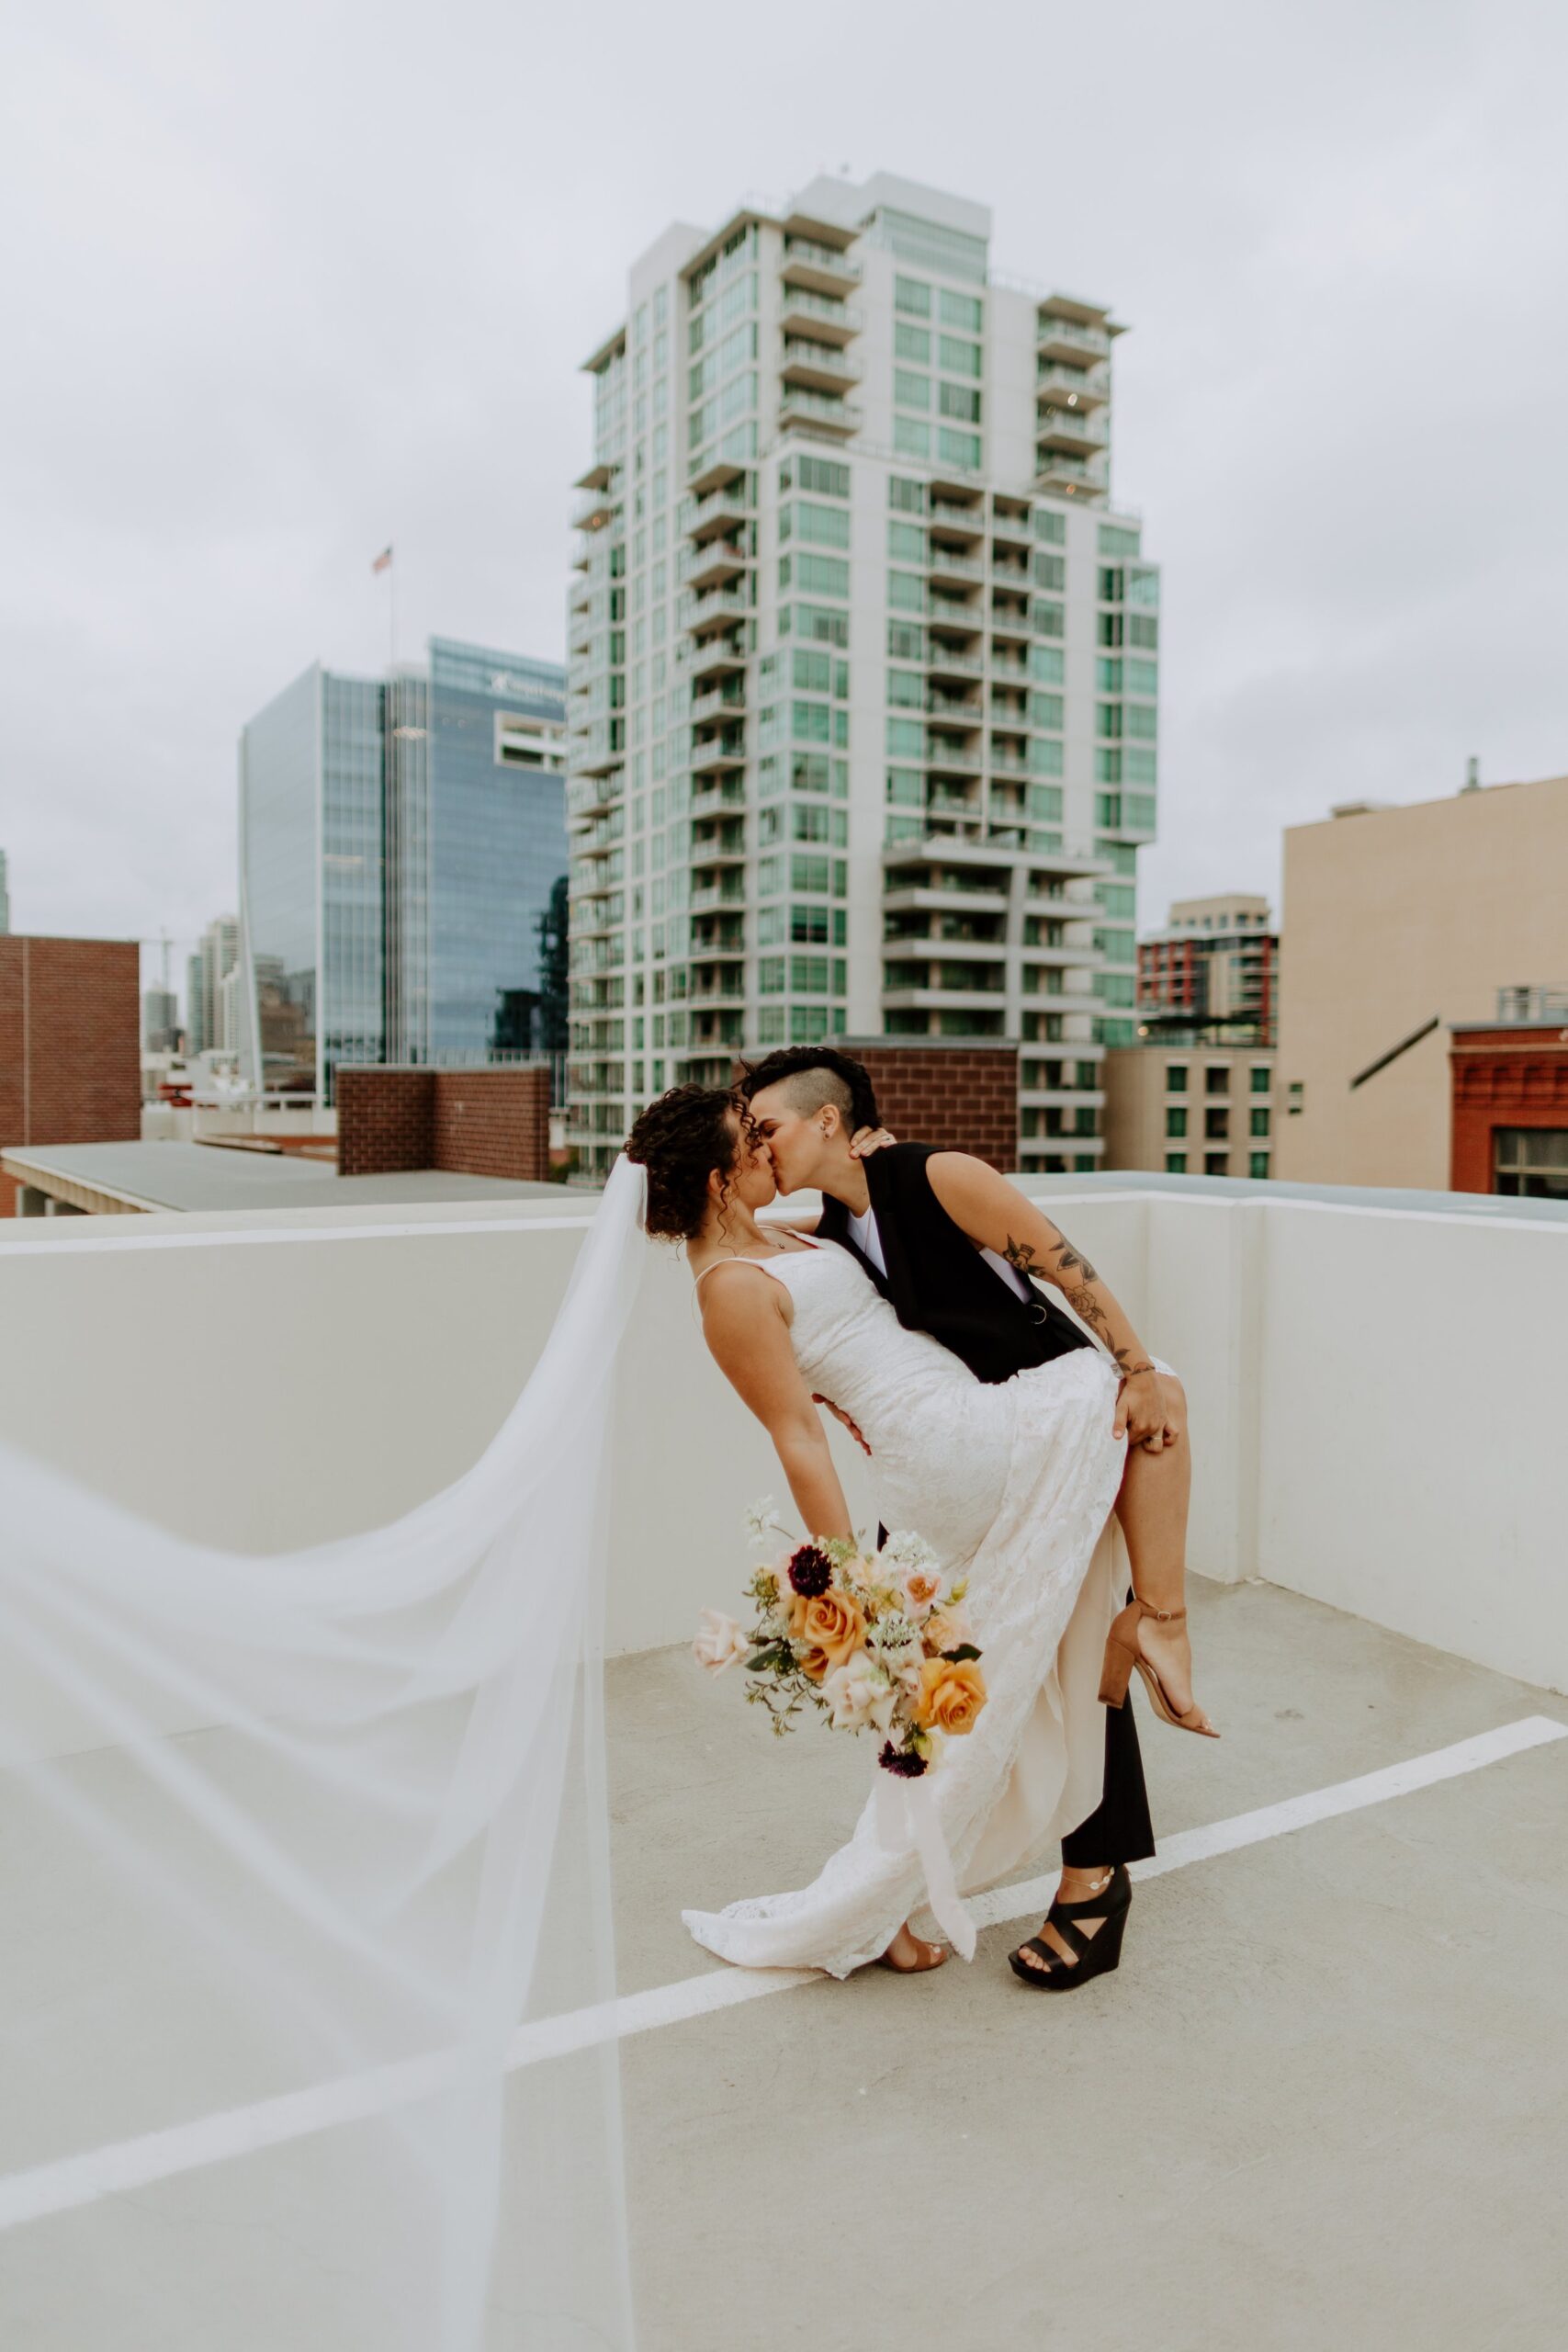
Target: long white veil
[291, 1848]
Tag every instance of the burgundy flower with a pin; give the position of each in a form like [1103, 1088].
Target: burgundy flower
[904, 1761]
[810, 1571]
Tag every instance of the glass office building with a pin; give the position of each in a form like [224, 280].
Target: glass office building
[400, 843]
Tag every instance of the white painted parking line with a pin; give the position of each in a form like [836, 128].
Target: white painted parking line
[74, 2181]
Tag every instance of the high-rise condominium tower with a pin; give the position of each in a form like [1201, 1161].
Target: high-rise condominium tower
[402, 842]
[863, 665]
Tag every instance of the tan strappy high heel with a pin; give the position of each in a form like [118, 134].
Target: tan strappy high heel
[1122, 1653]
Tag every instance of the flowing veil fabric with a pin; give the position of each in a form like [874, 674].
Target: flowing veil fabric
[301, 1855]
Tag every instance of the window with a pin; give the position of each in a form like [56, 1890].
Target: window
[911, 296]
[770, 926]
[1044, 757]
[825, 476]
[912, 344]
[1217, 1079]
[955, 358]
[906, 787]
[1108, 719]
[1047, 664]
[825, 526]
[906, 739]
[812, 672]
[1141, 720]
[906, 640]
[808, 975]
[814, 621]
[1257, 1163]
[1217, 1124]
[1051, 527]
[1050, 570]
[1258, 1121]
[908, 496]
[911, 390]
[1258, 1078]
[907, 542]
[1046, 710]
[959, 311]
[1143, 677]
[1176, 1120]
[807, 1024]
[910, 437]
[955, 448]
[957, 400]
[824, 575]
[1175, 1163]
[769, 976]
[770, 1025]
[1045, 804]
[906, 592]
[1117, 542]
[811, 722]
[808, 926]
[1176, 1078]
[1111, 585]
[1216, 1163]
[906, 688]
[1107, 675]
[1530, 1163]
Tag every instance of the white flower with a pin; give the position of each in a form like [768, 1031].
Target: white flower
[760, 1519]
[895, 1634]
[859, 1693]
[719, 1641]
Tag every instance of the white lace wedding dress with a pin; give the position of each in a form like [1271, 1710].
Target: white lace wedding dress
[1012, 1485]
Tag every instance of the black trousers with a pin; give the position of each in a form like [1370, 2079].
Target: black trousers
[1119, 1829]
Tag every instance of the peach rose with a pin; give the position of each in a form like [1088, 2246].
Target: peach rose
[826, 1630]
[921, 1587]
[950, 1696]
[949, 1629]
[719, 1641]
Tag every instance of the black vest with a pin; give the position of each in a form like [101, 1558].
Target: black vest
[936, 1280]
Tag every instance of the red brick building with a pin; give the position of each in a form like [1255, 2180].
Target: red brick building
[960, 1092]
[70, 1043]
[1509, 1096]
[491, 1122]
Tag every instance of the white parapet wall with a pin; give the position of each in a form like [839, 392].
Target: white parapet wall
[1376, 1393]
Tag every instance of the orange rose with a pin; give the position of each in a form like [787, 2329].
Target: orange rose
[948, 1629]
[950, 1696]
[826, 1629]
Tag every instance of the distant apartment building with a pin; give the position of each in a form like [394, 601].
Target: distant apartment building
[70, 1043]
[1194, 1108]
[160, 1021]
[403, 846]
[863, 665]
[216, 956]
[1399, 925]
[1215, 965]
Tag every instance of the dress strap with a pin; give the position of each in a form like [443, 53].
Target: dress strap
[767, 1264]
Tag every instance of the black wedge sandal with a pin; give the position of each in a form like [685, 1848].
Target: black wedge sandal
[1097, 1954]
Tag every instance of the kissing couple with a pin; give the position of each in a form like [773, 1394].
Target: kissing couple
[1043, 1458]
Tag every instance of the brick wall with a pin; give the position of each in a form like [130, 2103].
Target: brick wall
[1501, 1078]
[962, 1095]
[70, 1041]
[469, 1122]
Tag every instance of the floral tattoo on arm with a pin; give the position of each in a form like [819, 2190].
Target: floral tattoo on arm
[1074, 1276]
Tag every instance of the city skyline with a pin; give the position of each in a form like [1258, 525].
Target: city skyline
[1307, 250]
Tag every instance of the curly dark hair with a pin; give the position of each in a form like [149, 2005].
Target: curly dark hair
[797, 1061]
[681, 1139]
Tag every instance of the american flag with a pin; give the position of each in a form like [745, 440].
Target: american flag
[383, 561]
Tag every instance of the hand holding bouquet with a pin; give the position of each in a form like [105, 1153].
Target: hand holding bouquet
[875, 1641]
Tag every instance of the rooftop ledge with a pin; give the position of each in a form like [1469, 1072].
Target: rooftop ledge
[1374, 1378]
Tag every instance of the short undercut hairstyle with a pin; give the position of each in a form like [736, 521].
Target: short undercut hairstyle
[813, 1075]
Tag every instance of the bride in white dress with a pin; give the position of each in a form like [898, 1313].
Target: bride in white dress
[1014, 1486]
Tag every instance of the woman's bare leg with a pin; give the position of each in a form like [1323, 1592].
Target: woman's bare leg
[1152, 1508]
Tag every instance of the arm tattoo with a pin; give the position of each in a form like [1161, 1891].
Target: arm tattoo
[1073, 1275]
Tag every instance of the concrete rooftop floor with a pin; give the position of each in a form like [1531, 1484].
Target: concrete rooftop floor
[1324, 2103]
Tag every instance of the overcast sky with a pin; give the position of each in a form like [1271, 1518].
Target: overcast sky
[295, 280]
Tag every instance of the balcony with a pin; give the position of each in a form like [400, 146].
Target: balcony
[820, 367]
[944, 565]
[724, 849]
[714, 564]
[1073, 475]
[721, 608]
[1337, 1536]
[818, 268]
[946, 661]
[954, 711]
[596, 509]
[1010, 624]
[1071, 429]
[730, 892]
[949, 757]
[722, 703]
[718, 753]
[725, 511]
[948, 520]
[713, 474]
[716, 657]
[817, 319]
[1073, 387]
[817, 414]
[954, 616]
[1012, 530]
[1074, 340]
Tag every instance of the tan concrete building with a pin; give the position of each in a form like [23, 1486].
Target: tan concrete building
[1396, 924]
[1191, 1110]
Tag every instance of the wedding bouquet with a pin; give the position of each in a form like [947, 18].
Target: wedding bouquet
[875, 1641]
